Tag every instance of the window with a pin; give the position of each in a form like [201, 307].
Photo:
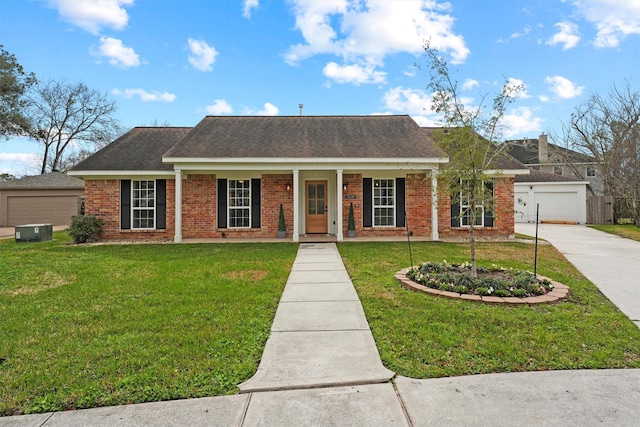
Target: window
[383, 203]
[461, 213]
[143, 204]
[239, 203]
[591, 171]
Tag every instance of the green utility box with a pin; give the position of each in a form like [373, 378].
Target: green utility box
[34, 233]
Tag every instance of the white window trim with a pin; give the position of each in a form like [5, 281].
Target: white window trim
[155, 204]
[374, 206]
[229, 207]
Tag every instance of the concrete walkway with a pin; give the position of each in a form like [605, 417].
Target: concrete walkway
[612, 263]
[321, 339]
[320, 336]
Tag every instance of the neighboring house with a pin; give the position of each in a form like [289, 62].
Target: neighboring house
[560, 198]
[228, 176]
[52, 198]
[539, 154]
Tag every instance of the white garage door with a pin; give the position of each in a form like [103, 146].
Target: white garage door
[557, 206]
[56, 210]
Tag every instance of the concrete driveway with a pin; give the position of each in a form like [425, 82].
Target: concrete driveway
[612, 263]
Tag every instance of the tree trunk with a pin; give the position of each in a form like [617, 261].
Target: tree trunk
[472, 237]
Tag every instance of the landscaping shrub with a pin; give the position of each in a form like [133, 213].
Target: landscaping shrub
[85, 228]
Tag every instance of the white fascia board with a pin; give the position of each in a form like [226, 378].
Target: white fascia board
[554, 183]
[509, 172]
[304, 163]
[101, 174]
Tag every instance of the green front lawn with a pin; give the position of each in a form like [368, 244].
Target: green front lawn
[628, 231]
[86, 326]
[423, 336]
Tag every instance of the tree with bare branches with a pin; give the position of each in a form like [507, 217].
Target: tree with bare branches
[607, 127]
[67, 118]
[469, 135]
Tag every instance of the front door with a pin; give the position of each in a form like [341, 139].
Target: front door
[316, 207]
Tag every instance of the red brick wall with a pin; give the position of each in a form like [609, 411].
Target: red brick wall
[503, 218]
[418, 205]
[199, 206]
[102, 199]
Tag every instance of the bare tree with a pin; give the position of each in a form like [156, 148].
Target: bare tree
[608, 129]
[470, 137]
[67, 118]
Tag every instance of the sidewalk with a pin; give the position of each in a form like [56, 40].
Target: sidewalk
[321, 339]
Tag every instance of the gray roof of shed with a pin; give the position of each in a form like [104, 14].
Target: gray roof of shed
[306, 137]
[539, 176]
[52, 180]
[139, 149]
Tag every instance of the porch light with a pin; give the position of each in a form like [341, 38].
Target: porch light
[344, 187]
[288, 187]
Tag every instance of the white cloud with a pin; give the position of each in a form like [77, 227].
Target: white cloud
[544, 98]
[202, 55]
[469, 84]
[219, 107]
[116, 53]
[520, 121]
[563, 88]
[614, 19]
[248, 5]
[356, 74]
[363, 33]
[524, 32]
[19, 164]
[408, 101]
[91, 15]
[568, 35]
[268, 110]
[145, 96]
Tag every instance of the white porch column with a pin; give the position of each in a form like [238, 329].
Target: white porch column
[296, 205]
[339, 196]
[434, 205]
[178, 220]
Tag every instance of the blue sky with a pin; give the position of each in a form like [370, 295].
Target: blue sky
[177, 61]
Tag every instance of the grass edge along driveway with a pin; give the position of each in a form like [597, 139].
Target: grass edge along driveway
[421, 336]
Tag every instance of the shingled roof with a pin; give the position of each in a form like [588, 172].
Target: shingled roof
[52, 180]
[306, 137]
[526, 151]
[539, 176]
[139, 149]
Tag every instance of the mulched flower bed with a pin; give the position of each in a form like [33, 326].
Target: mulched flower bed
[491, 281]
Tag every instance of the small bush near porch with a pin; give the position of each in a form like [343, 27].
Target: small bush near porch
[87, 326]
[422, 336]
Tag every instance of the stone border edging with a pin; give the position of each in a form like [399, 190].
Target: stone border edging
[559, 292]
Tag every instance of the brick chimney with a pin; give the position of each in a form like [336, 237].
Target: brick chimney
[543, 148]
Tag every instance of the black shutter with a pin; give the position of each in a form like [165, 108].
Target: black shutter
[255, 203]
[488, 210]
[400, 202]
[455, 210]
[125, 204]
[161, 204]
[367, 202]
[222, 203]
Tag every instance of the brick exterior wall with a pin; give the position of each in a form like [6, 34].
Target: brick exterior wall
[102, 199]
[199, 209]
[503, 216]
[417, 201]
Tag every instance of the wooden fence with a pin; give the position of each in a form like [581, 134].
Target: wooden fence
[599, 210]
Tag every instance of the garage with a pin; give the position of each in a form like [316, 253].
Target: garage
[561, 199]
[43, 199]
